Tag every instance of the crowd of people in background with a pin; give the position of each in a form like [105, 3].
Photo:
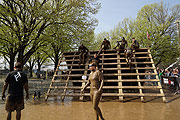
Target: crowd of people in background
[169, 72]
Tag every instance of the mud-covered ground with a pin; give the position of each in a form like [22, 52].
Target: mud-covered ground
[132, 109]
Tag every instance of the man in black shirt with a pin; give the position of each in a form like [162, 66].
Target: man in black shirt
[105, 45]
[17, 82]
[135, 44]
[82, 53]
[122, 45]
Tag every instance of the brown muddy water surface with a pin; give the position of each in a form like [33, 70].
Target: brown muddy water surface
[132, 109]
[112, 110]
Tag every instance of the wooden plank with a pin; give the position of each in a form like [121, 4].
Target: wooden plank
[73, 70]
[122, 80]
[139, 53]
[139, 68]
[69, 60]
[64, 81]
[108, 87]
[53, 78]
[108, 63]
[74, 65]
[115, 63]
[124, 58]
[67, 81]
[159, 84]
[69, 75]
[65, 87]
[95, 51]
[132, 80]
[119, 78]
[143, 95]
[139, 84]
[71, 56]
[112, 94]
[85, 74]
[128, 74]
[137, 62]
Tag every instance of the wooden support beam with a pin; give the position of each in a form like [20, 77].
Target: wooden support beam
[159, 84]
[85, 74]
[67, 81]
[55, 73]
[138, 78]
[119, 78]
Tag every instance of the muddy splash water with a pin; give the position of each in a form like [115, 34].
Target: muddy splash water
[68, 110]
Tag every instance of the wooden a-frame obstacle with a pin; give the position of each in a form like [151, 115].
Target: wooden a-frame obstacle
[120, 80]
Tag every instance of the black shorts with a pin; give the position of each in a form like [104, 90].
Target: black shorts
[14, 103]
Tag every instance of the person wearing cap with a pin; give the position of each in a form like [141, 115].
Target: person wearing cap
[96, 81]
[122, 45]
[82, 53]
[17, 82]
[105, 45]
[135, 44]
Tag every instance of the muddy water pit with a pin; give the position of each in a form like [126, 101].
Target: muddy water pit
[112, 110]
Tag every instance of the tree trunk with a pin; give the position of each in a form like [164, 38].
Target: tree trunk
[11, 61]
[56, 62]
[39, 68]
[31, 70]
[11, 64]
[20, 56]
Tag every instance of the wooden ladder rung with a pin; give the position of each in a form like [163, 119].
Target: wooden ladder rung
[128, 74]
[111, 94]
[139, 68]
[132, 87]
[73, 65]
[69, 75]
[63, 87]
[133, 80]
[64, 81]
[128, 68]
[143, 95]
[137, 63]
[72, 70]
[71, 56]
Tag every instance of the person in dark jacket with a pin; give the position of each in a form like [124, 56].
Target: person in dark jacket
[82, 53]
[135, 44]
[105, 45]
[17, 82]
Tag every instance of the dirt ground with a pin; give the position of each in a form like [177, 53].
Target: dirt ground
[132, 109]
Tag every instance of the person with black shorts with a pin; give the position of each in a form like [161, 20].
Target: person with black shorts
[83, 51]
[17, 82]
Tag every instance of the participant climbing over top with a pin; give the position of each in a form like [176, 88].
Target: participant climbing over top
[135, 44]
[121, 44]
[105, 45]
[82, 53]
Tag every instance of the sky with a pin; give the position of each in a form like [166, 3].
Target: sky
[114, 11]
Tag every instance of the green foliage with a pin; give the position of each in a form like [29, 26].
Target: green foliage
[27, 25]
[158, 20]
